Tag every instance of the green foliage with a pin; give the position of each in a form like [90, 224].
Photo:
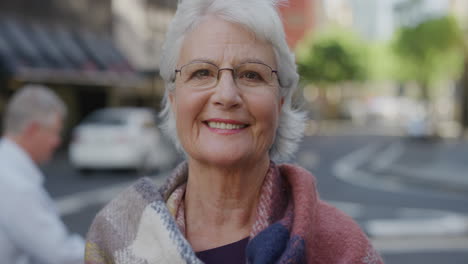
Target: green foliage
[429, 51]
[331, 58]
[382, 62]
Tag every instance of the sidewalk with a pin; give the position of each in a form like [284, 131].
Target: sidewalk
[441, 164]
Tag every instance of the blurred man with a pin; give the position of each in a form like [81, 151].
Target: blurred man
[31, 230]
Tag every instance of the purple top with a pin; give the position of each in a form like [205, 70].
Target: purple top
[233, 253]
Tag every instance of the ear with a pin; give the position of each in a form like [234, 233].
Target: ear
[31, 128]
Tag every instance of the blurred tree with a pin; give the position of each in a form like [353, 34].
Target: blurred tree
[428, 52]
[329, 59]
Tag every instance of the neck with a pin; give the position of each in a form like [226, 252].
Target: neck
[21, 141]
[221, 204]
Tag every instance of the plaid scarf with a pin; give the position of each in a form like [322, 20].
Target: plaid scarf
[146, 225]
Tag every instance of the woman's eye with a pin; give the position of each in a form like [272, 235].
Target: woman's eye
[201, 73]
[253, 76]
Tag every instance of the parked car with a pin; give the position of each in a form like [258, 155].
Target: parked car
[419, 122]
[422, 127]
[120, 138]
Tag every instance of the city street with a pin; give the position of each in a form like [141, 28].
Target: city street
[411, 215]
[384, 85]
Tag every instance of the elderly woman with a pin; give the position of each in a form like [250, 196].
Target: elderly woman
[229, 79]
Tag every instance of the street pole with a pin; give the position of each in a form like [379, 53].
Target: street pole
[464, 84]
[464, 97]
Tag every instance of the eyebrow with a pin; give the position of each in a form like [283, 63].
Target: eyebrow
[246, 60]
[202, 60]
[253, 60]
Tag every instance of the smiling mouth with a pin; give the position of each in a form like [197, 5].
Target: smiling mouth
[227, 126]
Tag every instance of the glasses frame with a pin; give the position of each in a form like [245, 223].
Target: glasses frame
[233, 70]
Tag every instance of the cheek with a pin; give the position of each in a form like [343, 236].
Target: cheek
[266, 110]
[187, 107]
[51, 140]
[55, 141]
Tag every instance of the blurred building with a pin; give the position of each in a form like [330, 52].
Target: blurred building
[460, 9]
[336, 12]
[139, 28]
[413, 12]
[77, 48]
[299, 17]
[94, 15]
[66, 45]
[374, 20]
[377, 20]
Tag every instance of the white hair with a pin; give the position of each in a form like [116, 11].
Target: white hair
[32, 103]
[262, 18]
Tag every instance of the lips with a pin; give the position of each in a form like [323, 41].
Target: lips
[225, 124]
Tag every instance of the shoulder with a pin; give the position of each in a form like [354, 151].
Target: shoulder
[14, 181]
[339, 237]
[137, 195]
[336, 238]
[126, 229]
[124, 211]
[334, 224]
[297, 176]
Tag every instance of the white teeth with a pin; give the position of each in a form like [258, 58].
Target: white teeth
[220, 125]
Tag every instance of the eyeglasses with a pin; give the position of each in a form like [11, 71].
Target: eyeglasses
[201, 75]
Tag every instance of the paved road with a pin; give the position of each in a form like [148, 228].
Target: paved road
[408, 222]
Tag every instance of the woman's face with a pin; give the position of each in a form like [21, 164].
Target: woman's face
[225, 124]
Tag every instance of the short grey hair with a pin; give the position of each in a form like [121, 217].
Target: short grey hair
[32, 103]
[262, 18]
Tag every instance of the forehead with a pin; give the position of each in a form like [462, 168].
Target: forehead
[223, 42]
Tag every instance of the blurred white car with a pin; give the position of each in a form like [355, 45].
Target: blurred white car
[421, 127]
[120, 138]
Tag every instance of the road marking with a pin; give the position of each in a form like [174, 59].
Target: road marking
[388, 157]
[445, 224]
[436, 176]
[448, 225]
[76, 202]
[347, 170]
[420, 244]
[350, 162]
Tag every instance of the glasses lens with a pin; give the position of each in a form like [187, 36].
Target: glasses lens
[199, 74]
[254, 74]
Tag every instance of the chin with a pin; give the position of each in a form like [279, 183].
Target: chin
[227, 159]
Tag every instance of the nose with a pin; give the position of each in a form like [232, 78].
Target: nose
[227, 94]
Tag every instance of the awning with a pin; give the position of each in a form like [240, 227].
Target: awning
[34, 52]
